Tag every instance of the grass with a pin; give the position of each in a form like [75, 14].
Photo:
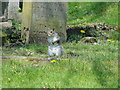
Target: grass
[96, 67]
[92, 12]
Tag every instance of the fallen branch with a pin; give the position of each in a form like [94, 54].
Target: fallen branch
[24, 57]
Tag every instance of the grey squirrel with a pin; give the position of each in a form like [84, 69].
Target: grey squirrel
[55, 49]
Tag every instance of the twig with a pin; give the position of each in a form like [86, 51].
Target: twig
[24, 57]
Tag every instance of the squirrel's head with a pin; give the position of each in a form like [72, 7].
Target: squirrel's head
[50, 32]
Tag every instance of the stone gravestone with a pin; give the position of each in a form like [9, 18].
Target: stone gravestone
[13, 8]
[4, 7]
[0, 8]
[0, 25]
[41, 16]
[26, 20]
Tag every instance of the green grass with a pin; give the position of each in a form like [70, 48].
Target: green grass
[96, 67]
[92, 12]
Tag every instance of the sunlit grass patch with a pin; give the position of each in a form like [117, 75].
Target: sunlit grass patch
[63, 74]
[84, 66]
[91, 12]
[95, 67]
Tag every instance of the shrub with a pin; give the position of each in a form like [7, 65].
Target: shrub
[13, 33]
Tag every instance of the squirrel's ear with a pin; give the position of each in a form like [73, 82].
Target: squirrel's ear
[27, 28]
[53, 29]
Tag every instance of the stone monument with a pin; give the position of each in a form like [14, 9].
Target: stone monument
[13, 8]
[38, 17]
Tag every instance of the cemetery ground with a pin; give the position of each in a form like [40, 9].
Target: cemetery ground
[87, 66]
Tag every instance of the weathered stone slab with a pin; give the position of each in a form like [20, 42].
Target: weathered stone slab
[26, 20]
[13, 8]
[4, 25]
[0, 8]
[2, 18]
[45, 15]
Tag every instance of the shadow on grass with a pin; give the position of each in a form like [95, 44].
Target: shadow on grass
[103, 73]
[71, 72]
[98, 9]
[94, 10]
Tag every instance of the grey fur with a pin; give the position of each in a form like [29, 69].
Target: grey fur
[55, 49]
